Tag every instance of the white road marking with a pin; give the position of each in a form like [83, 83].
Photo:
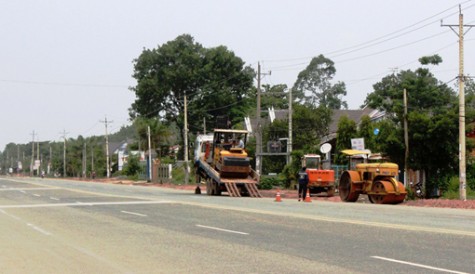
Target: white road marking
[39, 229]
[419, 265]
[133, 213]
[224, 230]
[10, 215]
[22, 189]
[28, 224]
[83, 204]
[37, 195]
[53, 198]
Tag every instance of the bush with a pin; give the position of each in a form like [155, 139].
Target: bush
[453, 188]
[133, 168]
[411, 195]
[270, 182]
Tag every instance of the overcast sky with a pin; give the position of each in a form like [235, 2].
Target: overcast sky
[66, 65]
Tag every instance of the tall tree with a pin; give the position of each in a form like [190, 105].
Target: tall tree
[215, 81]
[347, 130]
[314, 85]
[432, 118]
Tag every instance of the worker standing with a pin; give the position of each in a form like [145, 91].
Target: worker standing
[303, 182]
[240, 143]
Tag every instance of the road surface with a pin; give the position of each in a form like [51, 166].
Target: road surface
[60, 226]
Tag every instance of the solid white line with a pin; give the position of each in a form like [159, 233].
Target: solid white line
[221, 229]
[84, 204]
[133, 213]
[39, 229]
[37, 195]
[419, 265]
[81, 203]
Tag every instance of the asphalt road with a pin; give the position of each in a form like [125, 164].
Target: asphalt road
[59, 226]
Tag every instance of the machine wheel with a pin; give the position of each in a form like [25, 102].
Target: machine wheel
[217, 189]
[198, 182]
[209, 186]
[331, 191]
[346, 189]
[380, 193]
[383, 192]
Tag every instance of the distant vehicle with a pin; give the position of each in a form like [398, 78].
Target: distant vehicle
[223, 166]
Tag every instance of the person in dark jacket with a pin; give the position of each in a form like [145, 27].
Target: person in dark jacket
[303, 182]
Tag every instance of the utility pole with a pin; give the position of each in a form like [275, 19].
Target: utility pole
[258, 123]
[38, 156]
[406, 138]
[462, 145]
[92, 159]
[289, 141]
[204, 125]
[258, 119]
[50, 160]
[32, 153]
[149, 156]
[107, 147]
[64, 153]
[186, 143]
[84, 161]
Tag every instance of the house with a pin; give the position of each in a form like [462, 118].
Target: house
[355, 115]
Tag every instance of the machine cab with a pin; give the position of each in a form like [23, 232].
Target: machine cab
[311, 161]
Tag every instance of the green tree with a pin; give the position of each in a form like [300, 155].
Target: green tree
[274, 96]
[309, 123]
[432, 119]
[347, 130]
[314, 85]
[161, 135]
[366, 131]
[215, 81]
[133, 167]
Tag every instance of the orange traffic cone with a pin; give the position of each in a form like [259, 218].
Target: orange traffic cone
[277, 196]
[307, 198]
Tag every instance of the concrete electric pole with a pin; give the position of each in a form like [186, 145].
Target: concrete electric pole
[149, 156]
[187, 175]
[406, 139]
[106, 123]
[258, 123]
[461, 77]
[32, 153]
[64, 153]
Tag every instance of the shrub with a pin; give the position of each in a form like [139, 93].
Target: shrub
[270, 182]
[453, 188]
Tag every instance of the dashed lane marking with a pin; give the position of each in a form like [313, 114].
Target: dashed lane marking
[35, 227]
[134, 213]
[222, 229]
[39, 229]
[418, 265]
